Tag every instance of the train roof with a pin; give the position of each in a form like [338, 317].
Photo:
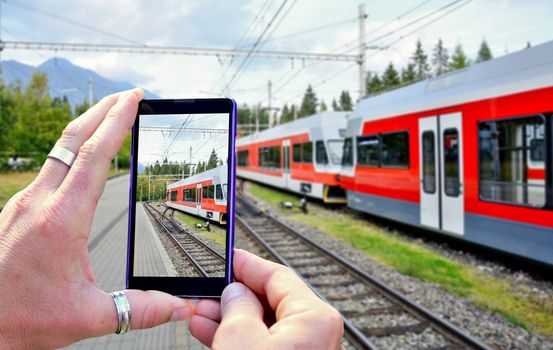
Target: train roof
[327, 122]
[217, 174]
[525, 70]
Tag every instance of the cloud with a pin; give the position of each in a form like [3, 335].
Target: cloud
[211, 23]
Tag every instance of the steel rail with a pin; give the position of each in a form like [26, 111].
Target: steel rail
[443, 327]
[198, 268]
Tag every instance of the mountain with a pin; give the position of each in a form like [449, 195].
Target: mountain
[65, 78]
[141, 167]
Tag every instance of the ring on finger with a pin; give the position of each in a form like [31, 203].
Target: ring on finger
[123, 311]
[63, 154]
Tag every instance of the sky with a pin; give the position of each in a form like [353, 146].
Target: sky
[507, 25]
[177, 134]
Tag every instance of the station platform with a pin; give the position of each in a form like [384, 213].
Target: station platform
[108, 253]
[150, 257]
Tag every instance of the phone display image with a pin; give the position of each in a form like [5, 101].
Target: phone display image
[181, 195]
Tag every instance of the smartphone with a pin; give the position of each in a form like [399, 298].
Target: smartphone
[181, 206]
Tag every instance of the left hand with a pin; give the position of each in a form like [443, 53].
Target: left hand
[48, 295]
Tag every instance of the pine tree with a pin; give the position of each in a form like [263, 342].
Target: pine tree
[322, 106]
[484, 53]
[286, 115]
[309, 103]
[375, 85]
[335, 106]
[420, 60]
[294, 112]
[408, 74]
[440, 59]
[244, 118]
[390, 78]
[213, 160]
[459, 59]
[345, 101]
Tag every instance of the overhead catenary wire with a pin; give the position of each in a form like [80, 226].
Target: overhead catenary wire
[245, 60]
[69, 20]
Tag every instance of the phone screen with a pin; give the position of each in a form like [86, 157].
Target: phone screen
[182, 191]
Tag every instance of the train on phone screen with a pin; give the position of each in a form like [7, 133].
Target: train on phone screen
[467, 154]
[303, 156]
[203, 194]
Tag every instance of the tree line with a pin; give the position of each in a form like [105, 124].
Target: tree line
[31, 121]
[420, 66]
[166, 167]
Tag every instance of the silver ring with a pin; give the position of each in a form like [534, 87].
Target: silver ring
[123, 311]
[63, 154]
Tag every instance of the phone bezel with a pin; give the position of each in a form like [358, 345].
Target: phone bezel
[194, 287]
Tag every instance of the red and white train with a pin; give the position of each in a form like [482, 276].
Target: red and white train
[468, 154]
[303, 156]
[203, 195]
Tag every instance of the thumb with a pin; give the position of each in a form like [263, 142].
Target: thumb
[241, 319]
[148, 309]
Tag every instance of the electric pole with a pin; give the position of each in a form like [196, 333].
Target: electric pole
[362, 47]
[269, 109]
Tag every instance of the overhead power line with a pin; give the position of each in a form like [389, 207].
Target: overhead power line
[69, 20]
[251, 51]
[172, 50]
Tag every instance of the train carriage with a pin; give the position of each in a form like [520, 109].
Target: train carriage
[203, 195]
[468, 154]
[302, 156]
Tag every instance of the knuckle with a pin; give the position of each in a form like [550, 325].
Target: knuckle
[89, 148]
[71, 130]
[22, 200]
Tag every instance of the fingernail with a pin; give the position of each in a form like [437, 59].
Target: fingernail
[233, 290]
[181, 314]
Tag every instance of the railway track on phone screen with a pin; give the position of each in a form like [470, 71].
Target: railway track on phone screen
[198, 256]
[374, 313]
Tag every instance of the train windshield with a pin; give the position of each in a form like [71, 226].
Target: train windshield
[335, 151]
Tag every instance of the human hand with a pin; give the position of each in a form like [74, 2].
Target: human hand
[49, 297]
[271, 309]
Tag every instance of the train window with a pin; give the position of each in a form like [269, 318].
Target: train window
[347, 152]
[307, 152]
[394, 150]
[269, 157]
[225, 190]
[451, 162]
[173, 195]
[190, 195]
[218, 193]
[335, 148]
[275, 157]
[297, 153]
[428, 162]
[242, 158]
[507, 172]
[320, 155]
[208, 191]
[368, 150]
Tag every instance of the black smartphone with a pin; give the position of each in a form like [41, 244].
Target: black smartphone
[181, 206]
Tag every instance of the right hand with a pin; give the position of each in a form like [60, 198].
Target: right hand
[272, 308]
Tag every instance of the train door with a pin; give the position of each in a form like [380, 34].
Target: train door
[441, 169]
[198, 198]
[286, 162]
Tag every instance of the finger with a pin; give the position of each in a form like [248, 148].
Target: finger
[242, 323]
[203, 329]
[86, 179]
[273, 280]
[148, 309]
[209, 309]
[73, 136]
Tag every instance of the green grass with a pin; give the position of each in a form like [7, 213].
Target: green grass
[517, 303]
[13, 182]
[217, 234]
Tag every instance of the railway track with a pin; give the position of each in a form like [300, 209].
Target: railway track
[373, 313]
[201, 258]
